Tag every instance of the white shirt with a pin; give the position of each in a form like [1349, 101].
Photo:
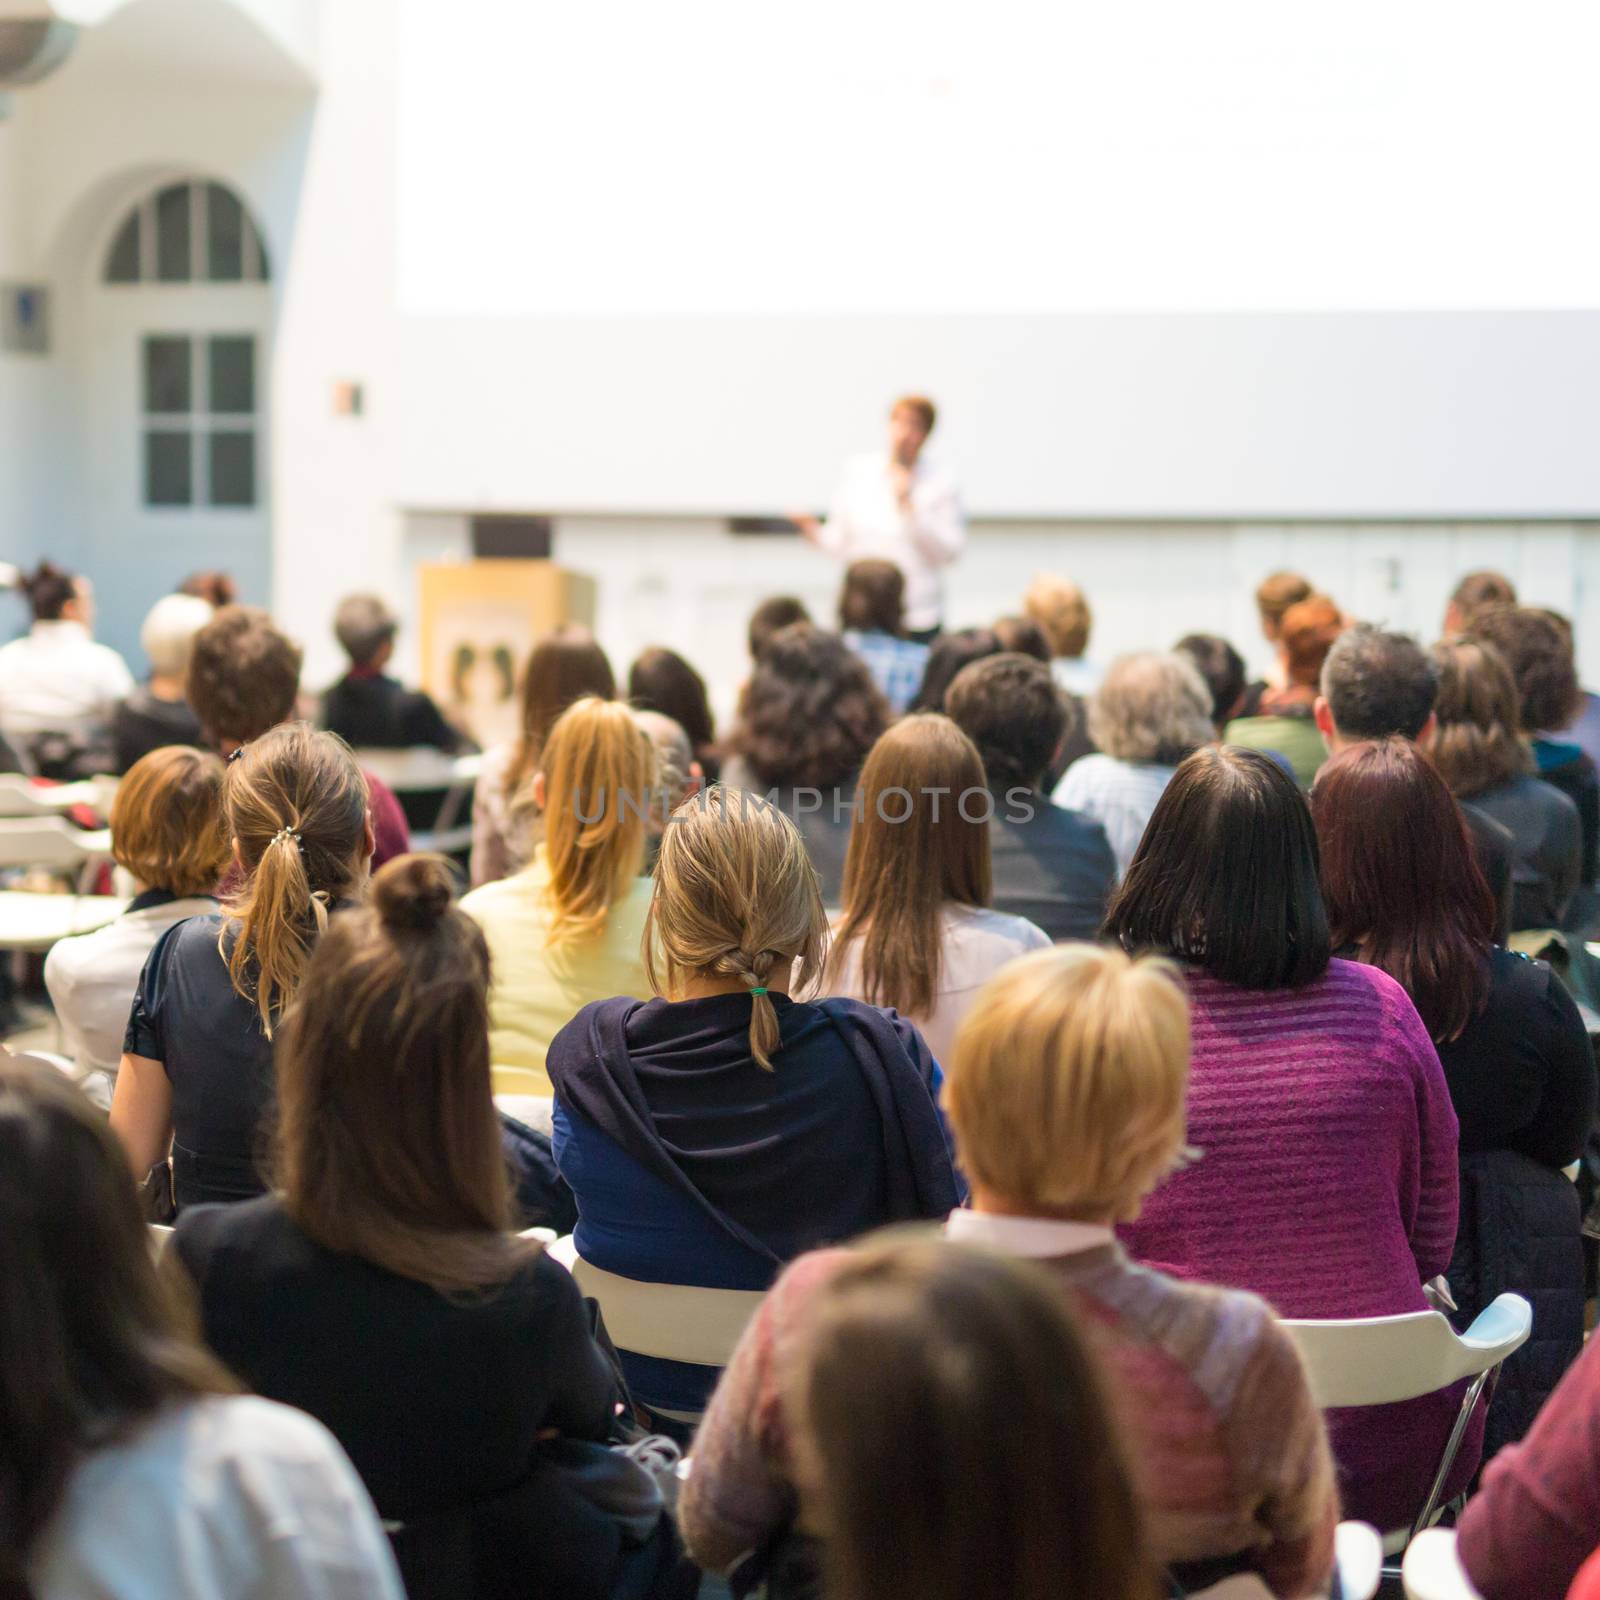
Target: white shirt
[1119, 795]
[225, 1498]
[866, 520]
[56, 679]
[1076, 674]
[975, 943]
[1034, 1238]
[92, 978]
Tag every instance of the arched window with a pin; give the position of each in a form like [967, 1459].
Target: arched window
[188, 233]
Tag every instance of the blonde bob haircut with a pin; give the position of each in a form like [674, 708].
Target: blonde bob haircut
[599, 768]
[1058, 606]
[736, 897]
[1065, 1088]
[166, 822]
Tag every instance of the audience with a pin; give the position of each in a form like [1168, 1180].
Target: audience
[1149, 713]
[1049, 865]
[367, 708]
[380, 1289]
[58, 688]
[1378, 685]
[922, 941]
[1583, 727]
[1059, 607]
[129, 1462]
[807, 718]
[1327, 1179]
[678, 774]
[661, 680]
[872, 623]
[659, 1103]
[244, 680]
[1222, 667]
[157, 714]
[772, 617]
[1066, 1097]
[949, 653]
[565, 665]
[1477, 749]
[1283, 720]
[566, 929]
[217, 589]
[1475, 592]
[196, 1072]
[167, 834]
[1275, 595]
[1022, 636]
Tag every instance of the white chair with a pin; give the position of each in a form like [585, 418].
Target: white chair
[424, 770]
[33, 923]
[1371, 1361]
[1432, 1568]
[534, 1111]
[671, 1321]
[1357, 1556]
[22, 797]
[51, 842]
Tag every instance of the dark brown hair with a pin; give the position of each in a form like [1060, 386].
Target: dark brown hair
[873, 599]
[243, 675]
[1474, 742]
[50, 590]
[771, 617]
[917, 844]
[166, 821]
[388, 1143]
[1023, 636]
[1221, 666]
[1538, 650]
[1479, 589]
[952, 1438]
[216, 588]
[1400, 881]
[809, 713]
[1010, 708]
[92, 1341]
[1226, 875]
[661, 680]
[566, 664]
[949, 653]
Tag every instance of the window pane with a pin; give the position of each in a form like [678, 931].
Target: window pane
[224, 235]
[172, 234]
[233, 469]
[123, 264]
[168, 469]
[167, 366]
[233, 375]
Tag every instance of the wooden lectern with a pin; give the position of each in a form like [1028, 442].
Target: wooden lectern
[477, 621]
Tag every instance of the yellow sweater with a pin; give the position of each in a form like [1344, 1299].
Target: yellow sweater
[535, 991]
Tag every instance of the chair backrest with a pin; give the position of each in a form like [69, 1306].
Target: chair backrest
[434, 790]
[48, 842]
[21, 797]
[1372, 1361]
[1432, 1569]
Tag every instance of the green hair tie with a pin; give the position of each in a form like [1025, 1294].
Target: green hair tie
[755, 992]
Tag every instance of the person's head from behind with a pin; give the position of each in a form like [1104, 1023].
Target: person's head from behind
[564, 666]
[911, 420]
[678, 774]
[594, 785]
[1274, 596]
[948, 654]
[55, 595]
[1226, 876]
[736, 902]
[294, 806]
[1475, 591]
[1474, 742]
[1151, 708]
[771, 617]
[810, 712]
[952, 1440]
[661, 680]
[167, 638]
[873, 599]
[1024, 637]
[243, 676]
[1011, 710]
[166, 822]
[1065, 1087]
[1059, 607]
[388, 1146]
[1538, 649]
[217, 589]
[1400, 881]
[91, 1341]
[920, 841]
[1223, 669]
[1306, 634]
[1376, 684]
[365, 627]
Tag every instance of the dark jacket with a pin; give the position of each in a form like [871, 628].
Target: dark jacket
[1547, 836]
[1053, 866]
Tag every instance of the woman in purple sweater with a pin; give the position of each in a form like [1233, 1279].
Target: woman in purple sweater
[1326, 1178]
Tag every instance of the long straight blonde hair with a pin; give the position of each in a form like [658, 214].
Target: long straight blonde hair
[599, 767]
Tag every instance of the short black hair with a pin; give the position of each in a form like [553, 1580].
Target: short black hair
[949, 653]
[49, 590]
[1379, 685]
[1221, 666]
[1009, 707]
[1226, 877]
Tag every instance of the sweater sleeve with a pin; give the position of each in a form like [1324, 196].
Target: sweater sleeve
[1526, 1532]
[1560, 1124]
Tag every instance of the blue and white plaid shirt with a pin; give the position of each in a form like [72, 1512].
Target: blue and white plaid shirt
[895, 664]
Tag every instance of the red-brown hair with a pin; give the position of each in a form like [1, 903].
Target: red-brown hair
[1400, 880]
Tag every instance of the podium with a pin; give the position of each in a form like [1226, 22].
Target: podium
[477, 621]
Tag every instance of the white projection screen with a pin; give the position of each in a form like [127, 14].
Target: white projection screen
[1153, 257]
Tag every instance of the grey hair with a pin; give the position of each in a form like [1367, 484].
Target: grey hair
[362, 625]
[167, 635]
[1151, 707]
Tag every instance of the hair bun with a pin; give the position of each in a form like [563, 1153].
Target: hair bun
[413, 892]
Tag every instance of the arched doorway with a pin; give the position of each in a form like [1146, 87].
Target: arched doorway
[179, 328]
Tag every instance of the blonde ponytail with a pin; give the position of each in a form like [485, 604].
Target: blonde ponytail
[295, 804]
